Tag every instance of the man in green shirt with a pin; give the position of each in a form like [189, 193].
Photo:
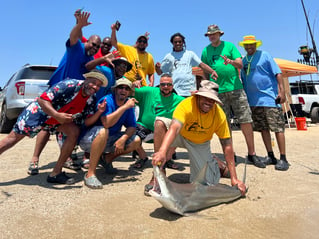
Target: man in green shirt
[156, 104]
[225, 59]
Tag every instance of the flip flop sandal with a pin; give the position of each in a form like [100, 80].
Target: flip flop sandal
[171, 164]
[140, 163]
[85, 163]
[71, 165]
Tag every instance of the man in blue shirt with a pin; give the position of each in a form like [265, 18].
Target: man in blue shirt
[263, 83]
[71, 66]
[106, 136]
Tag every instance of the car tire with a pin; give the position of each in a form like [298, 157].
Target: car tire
[314, 115]
[6, 124]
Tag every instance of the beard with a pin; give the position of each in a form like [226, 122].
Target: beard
[167, 93]
[141, 48]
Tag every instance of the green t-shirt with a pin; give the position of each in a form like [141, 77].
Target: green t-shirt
[228, 76]
[153, 104]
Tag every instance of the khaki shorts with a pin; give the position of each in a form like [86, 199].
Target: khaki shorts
[166, 121]
[236, 102]
[268, 118]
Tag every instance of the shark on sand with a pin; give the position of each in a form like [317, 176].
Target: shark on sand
[190, 197]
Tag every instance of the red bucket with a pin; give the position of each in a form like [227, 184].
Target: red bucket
[301, 123]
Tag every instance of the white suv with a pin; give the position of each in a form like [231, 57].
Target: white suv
[23, 87]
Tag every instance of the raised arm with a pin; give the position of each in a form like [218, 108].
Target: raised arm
[113, 36]
[81, 21]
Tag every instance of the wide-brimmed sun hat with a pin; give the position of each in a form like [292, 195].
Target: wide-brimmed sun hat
[213, 29]
[123, 81]
[209, 89]
[120, 60]
[250, 39]
[97, 75]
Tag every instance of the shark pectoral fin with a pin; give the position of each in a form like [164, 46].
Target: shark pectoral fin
[201, 177]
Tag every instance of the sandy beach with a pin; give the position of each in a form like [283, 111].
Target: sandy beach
[277, 205]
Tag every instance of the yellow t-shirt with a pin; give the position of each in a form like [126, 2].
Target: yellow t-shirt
[198, 127]
[147, 63]
[130, 53]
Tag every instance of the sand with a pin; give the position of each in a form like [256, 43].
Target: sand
[277, 205]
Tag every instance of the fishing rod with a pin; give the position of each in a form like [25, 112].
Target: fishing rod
[312, 38]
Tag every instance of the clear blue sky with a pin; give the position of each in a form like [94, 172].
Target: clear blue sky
[35, 31]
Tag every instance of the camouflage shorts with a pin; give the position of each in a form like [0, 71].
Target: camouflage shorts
[268, 118]
[235, 103]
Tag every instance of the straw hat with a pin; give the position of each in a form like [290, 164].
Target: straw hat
[122, 81]
[209, 89]
[97, 75]
[250, 39]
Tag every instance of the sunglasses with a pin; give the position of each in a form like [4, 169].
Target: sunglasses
[142, 41]
[122, 87]
[106, 44]
[166, 84]
[95, 45]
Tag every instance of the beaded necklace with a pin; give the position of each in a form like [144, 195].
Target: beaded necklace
[249, 61]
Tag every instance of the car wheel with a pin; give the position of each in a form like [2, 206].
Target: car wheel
[314, 115]
[5, 123]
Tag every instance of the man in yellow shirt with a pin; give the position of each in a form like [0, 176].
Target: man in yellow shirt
[195, 120]
[142, 61]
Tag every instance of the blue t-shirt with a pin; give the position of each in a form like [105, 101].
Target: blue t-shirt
[180, 64]
[109, 74]
[127, 119]
[72, 64]
[260, 84]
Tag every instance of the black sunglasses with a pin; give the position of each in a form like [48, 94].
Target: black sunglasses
[95, 45]
[142, 41]
[106, 44]
[166, 84]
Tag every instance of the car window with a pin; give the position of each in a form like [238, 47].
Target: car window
[8, 82]
[36, 73]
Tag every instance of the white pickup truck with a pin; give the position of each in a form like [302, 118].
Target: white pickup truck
[305, 98]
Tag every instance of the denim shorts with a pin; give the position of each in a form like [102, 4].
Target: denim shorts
[87, 139]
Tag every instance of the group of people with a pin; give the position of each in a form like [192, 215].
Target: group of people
[95, 92]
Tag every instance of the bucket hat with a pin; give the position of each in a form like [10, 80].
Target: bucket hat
[213, 29]
[123, 60]
[209, 89]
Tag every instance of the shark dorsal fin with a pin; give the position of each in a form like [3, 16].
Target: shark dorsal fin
[201, 177]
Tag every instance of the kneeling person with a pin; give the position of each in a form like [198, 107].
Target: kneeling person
[106, 136]
[195, 120]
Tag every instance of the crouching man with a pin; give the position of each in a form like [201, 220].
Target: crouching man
[195, 120]
[54, 111]
[106, 138]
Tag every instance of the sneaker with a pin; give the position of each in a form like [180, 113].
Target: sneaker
[92, 182]
[60, 178]
[282, 165]
[268, 160]
[33, 168]
[256, 161]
